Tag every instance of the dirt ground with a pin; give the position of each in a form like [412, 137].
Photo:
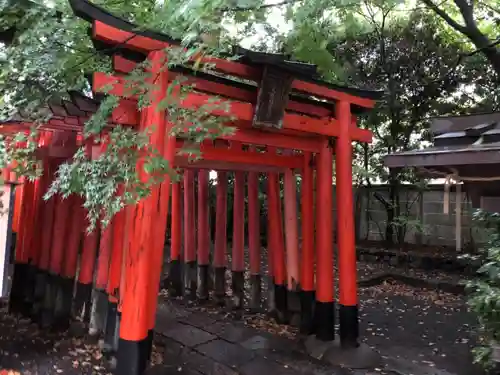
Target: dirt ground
[27, 350]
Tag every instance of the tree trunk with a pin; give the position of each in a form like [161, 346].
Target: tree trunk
[391, 208]
[401, 227]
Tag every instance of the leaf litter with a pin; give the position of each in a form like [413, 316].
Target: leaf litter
[25, 349]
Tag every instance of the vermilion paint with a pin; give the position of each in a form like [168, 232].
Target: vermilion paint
[307, 204]
[238, 253]
[242, 111]
[129, 230]
[122, 65]
[281, 236]
[17, 208]
[160, 226]
[275, 232]
[103, 260]
[102, 31]
[117, 249]
[37, 225]
[87, 260]
[176, 225]
[254, 222]
[74, 238]
[291, 228]
[46, 240]
[136, 307]
[189, 219]
[348, 295]
[28, 192]
[110, 34]
[60, 231]
[324, 233]
[221, 220]
[203, 228]
[29, 244]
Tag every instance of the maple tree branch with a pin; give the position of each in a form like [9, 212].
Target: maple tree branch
[265, 6]
[492, 44]
[450, 21]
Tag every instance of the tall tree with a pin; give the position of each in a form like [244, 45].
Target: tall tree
[478, 20]
[418, 71]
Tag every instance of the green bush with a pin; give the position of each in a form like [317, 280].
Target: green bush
[484, 291]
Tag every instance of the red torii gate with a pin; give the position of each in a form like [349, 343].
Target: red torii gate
[130, 251]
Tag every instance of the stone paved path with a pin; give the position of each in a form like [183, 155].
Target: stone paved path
[196, 343]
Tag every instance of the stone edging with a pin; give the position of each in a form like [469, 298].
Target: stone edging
[444, 286]
[415, 260]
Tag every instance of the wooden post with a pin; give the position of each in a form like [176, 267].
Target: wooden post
[99, 297]
[31, 244]
[37, 247]
[325, 305]
[254, 240]
[113, 287]
[74, 239]
[83, 297]
[136, 337]
[220, 238]
[18, 200]
[54, 277]
[203, 235]
[103, 261]
[175, 272]
[238, 253]
[189, 235]
[19, 286]
[348, 296]
[275, 221]
[47, 226]
[307, 293]
[292, 245]
[271, 299]
[127, 236]
[161, 217]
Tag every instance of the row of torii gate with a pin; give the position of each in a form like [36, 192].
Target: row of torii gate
[123, 261]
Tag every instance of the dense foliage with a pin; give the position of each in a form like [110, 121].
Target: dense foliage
[484, 292]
